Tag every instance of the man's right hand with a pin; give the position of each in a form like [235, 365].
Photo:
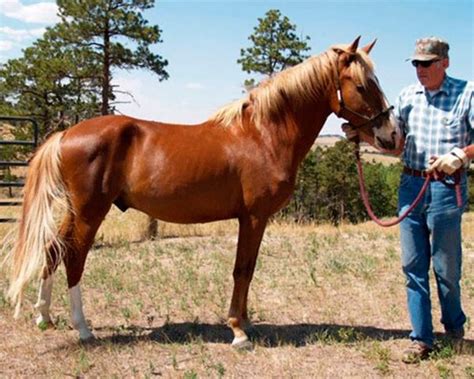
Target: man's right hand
[448, 163]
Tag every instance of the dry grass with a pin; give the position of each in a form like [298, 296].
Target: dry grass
[325, 302]
[327, 141]
[369, 153]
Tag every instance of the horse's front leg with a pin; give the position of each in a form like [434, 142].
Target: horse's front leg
[81, 233]
[250, 235]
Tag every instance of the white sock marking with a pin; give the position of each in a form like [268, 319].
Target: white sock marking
[44, 300]
[77, 315]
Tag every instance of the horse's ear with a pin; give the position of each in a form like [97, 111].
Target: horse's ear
[353, 47]
[369, 47]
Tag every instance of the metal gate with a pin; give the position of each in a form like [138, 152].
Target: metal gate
[6, 164]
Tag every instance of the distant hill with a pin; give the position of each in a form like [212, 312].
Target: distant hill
[369, 153]
[328, 140]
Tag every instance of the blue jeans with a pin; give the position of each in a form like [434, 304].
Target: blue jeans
[432, 232]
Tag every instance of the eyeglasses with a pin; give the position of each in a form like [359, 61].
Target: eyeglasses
[424, 64]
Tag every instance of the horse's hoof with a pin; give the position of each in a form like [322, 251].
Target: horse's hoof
[242, 344]
[87, 337]
[43, 324]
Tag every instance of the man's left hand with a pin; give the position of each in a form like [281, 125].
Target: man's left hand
[448, 163]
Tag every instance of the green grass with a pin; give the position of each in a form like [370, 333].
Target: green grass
[380, 356]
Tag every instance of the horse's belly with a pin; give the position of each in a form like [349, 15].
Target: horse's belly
[184, 215]
[187, 208]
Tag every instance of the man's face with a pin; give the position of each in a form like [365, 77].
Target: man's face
[432, 76]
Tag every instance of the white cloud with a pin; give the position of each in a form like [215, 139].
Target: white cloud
[196, 86]
[42, 12]
[162, 101]
[20, 34]
[6, 45]
[15, 38]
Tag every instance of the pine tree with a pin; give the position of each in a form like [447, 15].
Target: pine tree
[327, 187]
[275, 46]
[103, 26]
[51, 82]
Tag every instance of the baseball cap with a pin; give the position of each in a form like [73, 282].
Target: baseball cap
[430, 48]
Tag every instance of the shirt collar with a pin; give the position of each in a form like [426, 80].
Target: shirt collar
[445, 88]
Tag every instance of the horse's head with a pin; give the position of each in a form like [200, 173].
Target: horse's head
[359, 98]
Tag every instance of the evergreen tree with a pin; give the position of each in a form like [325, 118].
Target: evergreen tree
[382, 187]
[304, 205]
[339, 191]
[327, 187]
[103, 26]
[52, 82]
[275, 46]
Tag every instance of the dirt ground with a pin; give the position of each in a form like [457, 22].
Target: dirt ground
[325, 302]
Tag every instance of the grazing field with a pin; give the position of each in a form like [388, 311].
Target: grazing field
[325, 302]
[369, 153]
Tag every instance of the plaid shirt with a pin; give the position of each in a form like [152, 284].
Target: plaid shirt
[433, 124]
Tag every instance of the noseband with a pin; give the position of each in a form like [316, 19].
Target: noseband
[372, 121]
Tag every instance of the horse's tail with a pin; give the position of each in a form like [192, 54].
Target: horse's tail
[37, 231]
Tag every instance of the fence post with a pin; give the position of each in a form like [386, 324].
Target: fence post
[7, 164]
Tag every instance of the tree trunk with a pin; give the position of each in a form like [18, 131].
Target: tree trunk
[106, 72]
[152, 229]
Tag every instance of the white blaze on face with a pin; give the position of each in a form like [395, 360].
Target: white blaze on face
[389, 124]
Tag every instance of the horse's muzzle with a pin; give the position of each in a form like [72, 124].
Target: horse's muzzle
[385, 144]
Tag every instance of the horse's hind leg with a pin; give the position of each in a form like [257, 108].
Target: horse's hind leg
[79, 242]
[46, 285]
[250, 235]
[78, 238]
[44, 302]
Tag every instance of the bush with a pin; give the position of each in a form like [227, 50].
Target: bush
[327, 187]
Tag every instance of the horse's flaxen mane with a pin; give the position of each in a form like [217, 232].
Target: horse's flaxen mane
[305, 82]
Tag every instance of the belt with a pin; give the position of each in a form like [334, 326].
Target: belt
[424, 174]
[413, 172]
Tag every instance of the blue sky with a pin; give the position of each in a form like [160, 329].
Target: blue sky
[202, 42]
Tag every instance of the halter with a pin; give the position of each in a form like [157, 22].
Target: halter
[372, 121]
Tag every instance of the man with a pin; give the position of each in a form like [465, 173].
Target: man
[436, 118]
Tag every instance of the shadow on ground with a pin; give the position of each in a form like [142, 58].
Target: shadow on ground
[267, 335]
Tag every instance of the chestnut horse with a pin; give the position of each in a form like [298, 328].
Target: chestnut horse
[241, 163]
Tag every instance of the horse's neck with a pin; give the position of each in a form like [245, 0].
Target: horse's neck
[310, 127]
[291, 140]
[308, 123]
[305, 120]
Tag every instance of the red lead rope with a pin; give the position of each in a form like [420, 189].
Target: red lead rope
[365, 196]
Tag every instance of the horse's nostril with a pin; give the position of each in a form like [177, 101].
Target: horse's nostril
[384, 144]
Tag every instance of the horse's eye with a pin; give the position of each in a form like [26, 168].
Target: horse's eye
[360, 87]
